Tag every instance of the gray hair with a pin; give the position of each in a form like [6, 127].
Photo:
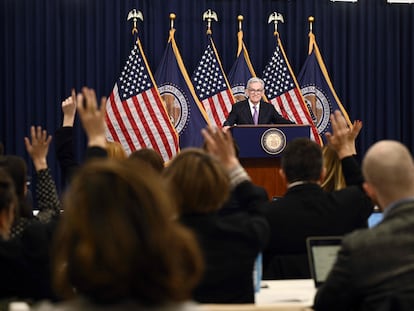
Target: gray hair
[253, 80]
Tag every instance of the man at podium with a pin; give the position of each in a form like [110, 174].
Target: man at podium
[254, 110]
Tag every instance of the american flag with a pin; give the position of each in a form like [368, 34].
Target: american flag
[135, 114]
[283, 92]
[212, 87]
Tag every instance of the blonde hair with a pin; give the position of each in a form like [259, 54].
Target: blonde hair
[199, 182]
[334, 179]
[115, 150]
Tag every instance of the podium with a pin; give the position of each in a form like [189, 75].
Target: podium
[260, 149]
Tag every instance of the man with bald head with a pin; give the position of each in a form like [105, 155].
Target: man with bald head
[375, 267]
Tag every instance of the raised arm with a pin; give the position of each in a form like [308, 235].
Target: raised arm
[47, 198]
[93, 121]
[220, 144]
[64, 138]
[342, 140]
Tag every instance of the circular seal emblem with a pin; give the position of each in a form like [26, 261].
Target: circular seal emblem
[319, 107]
[177, 105]
[239, 92]
[273, 141]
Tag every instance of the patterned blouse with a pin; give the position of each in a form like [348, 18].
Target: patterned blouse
[47, 200]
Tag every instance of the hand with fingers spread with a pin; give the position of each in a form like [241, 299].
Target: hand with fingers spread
[220, 144]
[38, 146]
[342, 138]
[92, 116]
[69, 110]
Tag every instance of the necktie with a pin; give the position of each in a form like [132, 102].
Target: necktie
[255, 116]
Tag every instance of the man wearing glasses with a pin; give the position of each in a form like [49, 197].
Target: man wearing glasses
[254, 110]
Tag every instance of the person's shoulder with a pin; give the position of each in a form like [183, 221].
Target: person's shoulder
[241, 102]
[361, 238]
[265, 103]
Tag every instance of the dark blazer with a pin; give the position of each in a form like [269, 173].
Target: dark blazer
[230, 244]
[64, 146]
[240, 114]
[25, 267]
[307, 210]
[375, 267]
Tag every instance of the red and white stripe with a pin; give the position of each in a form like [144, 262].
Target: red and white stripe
[141, 122]
[218, 107]
[291, 106]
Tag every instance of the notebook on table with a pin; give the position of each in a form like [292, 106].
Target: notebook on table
[322, 253]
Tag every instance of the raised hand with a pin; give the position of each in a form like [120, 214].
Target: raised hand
[342, 138]
[92, 117]
[38, 146]
[220, 144]
[69, 109]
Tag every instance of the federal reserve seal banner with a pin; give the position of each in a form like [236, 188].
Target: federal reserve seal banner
[317, 90]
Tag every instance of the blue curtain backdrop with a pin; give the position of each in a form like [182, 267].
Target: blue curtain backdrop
[51, 46]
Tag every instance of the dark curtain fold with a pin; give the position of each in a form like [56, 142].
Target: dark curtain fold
[51, 46]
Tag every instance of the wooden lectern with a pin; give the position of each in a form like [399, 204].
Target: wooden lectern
[260, 148]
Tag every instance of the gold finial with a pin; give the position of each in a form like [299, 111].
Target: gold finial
[275, 18]
[240, 19]
[135, 15]
[172, 18]
[209, 15]
[311, 19]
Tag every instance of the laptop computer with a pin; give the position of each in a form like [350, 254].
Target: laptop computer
[322, 253]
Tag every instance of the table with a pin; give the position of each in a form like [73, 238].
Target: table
[297, 292]
[276, 295]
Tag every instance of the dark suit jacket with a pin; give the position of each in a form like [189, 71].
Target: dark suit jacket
[64, 146]
[25, 267]
[230, 244]
[240, 114]
[375, 267]
[307, 210]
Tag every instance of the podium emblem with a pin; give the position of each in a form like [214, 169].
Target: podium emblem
[273, 141]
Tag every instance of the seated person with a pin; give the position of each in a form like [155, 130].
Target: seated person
[230, 243]
[25, 264]
[306, 209]
[254, 110]
[374, 269]
[46, 193]
[118, 246]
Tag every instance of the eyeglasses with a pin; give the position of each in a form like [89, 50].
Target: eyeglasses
[255, 91]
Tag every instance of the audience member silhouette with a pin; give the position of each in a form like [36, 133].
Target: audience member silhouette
[374, 269]
[65, 145]
[201, 183]
[25, 269]
[46, 193]
[150, 156]
[306, 210]
[118, 245]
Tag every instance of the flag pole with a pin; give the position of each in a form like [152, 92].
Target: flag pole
[172, 18]
[311, 19]
[240, 35]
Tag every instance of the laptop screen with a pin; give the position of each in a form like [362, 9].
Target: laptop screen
[322, 253]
